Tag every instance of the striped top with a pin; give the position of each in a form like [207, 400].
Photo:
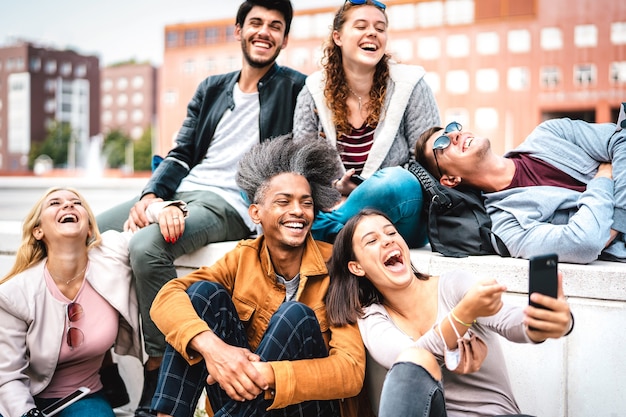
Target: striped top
[354, 147]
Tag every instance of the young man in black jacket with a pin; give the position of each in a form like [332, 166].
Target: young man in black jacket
[227, 115]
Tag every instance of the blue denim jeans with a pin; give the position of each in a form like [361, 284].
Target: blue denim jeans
[394, 191]
[293, 333]
[211, 219]
[92, 405]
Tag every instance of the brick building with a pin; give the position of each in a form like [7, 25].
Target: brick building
[39, 85]
[498, 67]
[128, 98]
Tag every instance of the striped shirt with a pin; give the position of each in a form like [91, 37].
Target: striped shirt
[354, 148]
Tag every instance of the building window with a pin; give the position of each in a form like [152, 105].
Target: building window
[10, 64]
[457, 46]
[230, 34]
[122, 83]
[302, 27]
[35, 64]
[50, 105]
[137, 81]
[457, 82]
[122, 116]
[519, 41]
[402, 49]
[428, 47]
[107, 100]
[584, 74]
[232, 63]
[211, 35]
[618, 72]
[136, 132]
[518, 78]
[457, 114]
[459, 12]
[50, 85]
[487, 80]
[170, 97]
[122, 100]
[210, 65]
[618, 33]
[550, 77]
[137, 116]
[189, 66]
[107, 117]
[586, 36]
[80, 71]
[320, 24]
[107, 84]
[487, 43]
[300, 57]
[191, 37]
[429, 13]
[137, 99]
[551, 39]
[66, 68]
[486, 118]
[51, 66]
[171, 39]
[402, 17]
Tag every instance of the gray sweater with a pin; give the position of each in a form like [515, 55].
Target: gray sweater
[574, 225]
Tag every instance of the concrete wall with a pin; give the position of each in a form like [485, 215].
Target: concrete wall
[582, 375]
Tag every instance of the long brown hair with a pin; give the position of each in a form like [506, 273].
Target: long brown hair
[32, 250]
[336, 88]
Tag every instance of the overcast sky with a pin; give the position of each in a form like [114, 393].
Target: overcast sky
[115, 30]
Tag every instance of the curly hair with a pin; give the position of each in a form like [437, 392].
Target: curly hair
[312, 158]
[336, 89]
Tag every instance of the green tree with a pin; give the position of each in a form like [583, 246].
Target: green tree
[55, 145]
[143, 152]
[114, 148]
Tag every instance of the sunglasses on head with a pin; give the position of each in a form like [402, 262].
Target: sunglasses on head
[443, 141]
[376, 3]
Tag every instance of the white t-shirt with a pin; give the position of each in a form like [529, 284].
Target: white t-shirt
[235, 134]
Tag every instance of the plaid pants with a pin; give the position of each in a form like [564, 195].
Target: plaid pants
[293, 333]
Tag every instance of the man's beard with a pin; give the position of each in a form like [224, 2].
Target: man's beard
[255, 63]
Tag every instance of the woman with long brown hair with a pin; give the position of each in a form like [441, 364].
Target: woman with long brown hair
[373, 110]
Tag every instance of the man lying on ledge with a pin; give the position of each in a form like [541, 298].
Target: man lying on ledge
[562, 190]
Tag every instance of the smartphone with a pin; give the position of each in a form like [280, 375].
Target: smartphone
[357, 179]
[64, 402]
[543, 276]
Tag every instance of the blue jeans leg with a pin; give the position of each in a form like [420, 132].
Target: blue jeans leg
[410, 391]
[394, 191]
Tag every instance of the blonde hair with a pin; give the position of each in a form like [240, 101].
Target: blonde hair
[32, 250]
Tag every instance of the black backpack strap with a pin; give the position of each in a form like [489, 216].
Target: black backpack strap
[429, 184]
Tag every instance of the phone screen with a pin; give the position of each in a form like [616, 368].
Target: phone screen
[543, 276]
[65, 402]
[357, 179]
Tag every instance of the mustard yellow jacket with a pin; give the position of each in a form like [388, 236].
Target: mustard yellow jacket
[248, 274]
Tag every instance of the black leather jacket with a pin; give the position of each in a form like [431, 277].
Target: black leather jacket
[278, 91]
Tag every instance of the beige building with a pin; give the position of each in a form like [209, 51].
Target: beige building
[128, 98]
[39, 85]
[499, 67]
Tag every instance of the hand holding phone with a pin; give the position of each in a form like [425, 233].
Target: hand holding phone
[543, 276]
[356, 179]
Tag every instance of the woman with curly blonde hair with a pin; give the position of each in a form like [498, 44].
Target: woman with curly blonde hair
[373, 110]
